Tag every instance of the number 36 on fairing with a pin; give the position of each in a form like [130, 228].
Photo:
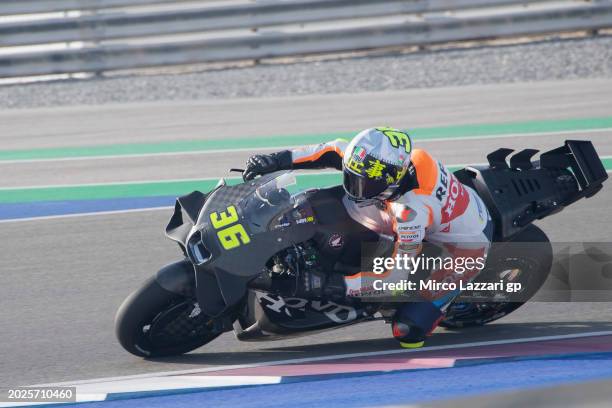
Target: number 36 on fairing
[230, 236]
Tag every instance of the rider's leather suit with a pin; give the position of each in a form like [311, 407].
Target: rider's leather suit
[439, 210]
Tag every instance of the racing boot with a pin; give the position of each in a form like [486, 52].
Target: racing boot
[408, 334]
[414, 321]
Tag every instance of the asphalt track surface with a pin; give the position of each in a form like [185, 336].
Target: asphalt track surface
[63, 279]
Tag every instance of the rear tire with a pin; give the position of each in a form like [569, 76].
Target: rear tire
[153, 322]
[534, 263]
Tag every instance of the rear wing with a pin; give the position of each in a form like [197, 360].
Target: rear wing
[579, 156]
[521, 191]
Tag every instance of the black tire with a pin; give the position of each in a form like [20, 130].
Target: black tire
[535, 259]
[153, 322]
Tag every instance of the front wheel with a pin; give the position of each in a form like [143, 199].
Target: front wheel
[153, 322]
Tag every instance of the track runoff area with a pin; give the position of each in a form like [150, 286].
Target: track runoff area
[506, 366]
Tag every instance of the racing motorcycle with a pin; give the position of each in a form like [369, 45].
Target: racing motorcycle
[263, 257]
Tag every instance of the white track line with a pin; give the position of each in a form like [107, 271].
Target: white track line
[183, 180]
[113, 183]
[141, 155]
[88, 214]
[514, 135]
[258, 149]
[332, 357]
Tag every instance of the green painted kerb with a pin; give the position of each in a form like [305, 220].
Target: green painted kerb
[158, 188]
[430, 133]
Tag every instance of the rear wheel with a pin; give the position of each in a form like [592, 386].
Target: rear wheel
[153, 322]
[530, 267]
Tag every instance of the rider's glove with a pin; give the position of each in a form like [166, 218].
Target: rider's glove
[260, 164]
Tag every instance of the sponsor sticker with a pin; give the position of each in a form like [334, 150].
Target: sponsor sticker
[282, 222]
[411, 236]
[305, 220]
[457, 201]
[336, 241]
[359, 153]
[409, 227]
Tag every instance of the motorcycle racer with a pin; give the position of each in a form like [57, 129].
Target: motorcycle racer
[402, 192]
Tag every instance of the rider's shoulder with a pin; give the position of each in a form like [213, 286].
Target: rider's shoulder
[422, 160]
[427, 171]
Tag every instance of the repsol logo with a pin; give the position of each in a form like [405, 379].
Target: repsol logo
[441, 191]
[457, 201]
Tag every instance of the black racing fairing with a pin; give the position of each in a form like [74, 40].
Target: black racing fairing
[262, 221]
[270, 316]
[186, 211]
[266, 216]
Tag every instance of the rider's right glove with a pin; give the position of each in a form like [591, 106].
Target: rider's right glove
[260, 164]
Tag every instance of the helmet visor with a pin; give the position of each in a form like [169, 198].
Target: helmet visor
[362, 188]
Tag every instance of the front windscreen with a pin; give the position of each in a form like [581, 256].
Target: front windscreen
[267, 208]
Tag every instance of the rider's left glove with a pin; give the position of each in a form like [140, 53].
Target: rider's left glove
[260, 164]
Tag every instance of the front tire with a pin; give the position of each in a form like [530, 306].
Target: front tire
[153, 322]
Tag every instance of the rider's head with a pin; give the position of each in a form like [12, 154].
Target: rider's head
[375, 164]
